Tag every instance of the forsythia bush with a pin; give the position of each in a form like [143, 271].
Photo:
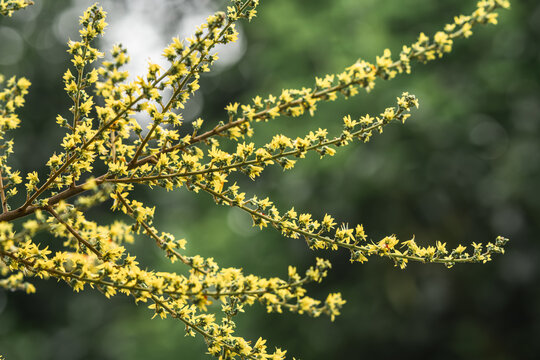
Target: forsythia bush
[101, 133]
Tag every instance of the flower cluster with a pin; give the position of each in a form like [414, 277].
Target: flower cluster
[11, 98]
[325, 234]
[8, 7]
[101, 133]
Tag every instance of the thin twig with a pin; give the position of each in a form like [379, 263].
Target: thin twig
[2, 194]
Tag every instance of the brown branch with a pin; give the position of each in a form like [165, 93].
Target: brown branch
[3, 195]
[68, 193]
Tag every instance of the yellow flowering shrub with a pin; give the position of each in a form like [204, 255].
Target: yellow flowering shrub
[8, 7]
[105, 155]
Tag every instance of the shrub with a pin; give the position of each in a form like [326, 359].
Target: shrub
[106, 154]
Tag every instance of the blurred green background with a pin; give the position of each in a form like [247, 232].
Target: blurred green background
[464, 168]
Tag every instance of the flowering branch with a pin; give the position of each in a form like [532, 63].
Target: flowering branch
[170, 156]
